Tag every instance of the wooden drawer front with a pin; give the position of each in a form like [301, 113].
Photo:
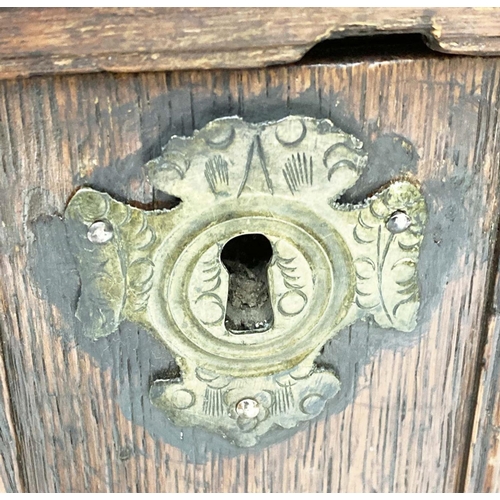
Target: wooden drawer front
[75, 414]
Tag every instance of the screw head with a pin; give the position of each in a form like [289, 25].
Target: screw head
[248, 408]
[398, 222]
[100, 232]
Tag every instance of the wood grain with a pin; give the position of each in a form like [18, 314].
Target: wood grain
[10, 480]
[80, 410]
[78, 40]
[483, 473]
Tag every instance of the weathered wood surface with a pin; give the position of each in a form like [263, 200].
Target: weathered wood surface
[483, 472]
[79, 410]
[10, 480]
[78, 40]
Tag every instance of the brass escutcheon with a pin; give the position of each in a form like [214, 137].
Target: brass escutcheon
[248, 361]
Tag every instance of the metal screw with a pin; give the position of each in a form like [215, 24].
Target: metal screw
[398, 222]
[100, 232]
[247, 408]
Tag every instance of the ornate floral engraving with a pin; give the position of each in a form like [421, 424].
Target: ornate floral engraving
[293, 301]
[211, 282]
[298, 171]
[217, 174]
[118, 274]
[386, 272]
[283, 400]
[332, 265]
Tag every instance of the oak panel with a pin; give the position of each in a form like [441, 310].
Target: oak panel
[10, 480]
[402, 420]
[80, 40]
[483, 472]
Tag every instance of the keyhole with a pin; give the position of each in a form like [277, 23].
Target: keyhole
[249, 308]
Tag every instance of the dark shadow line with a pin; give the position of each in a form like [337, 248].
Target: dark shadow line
[489, 310]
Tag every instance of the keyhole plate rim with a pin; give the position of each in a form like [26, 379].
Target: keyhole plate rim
[263, 340]
[191, 340]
